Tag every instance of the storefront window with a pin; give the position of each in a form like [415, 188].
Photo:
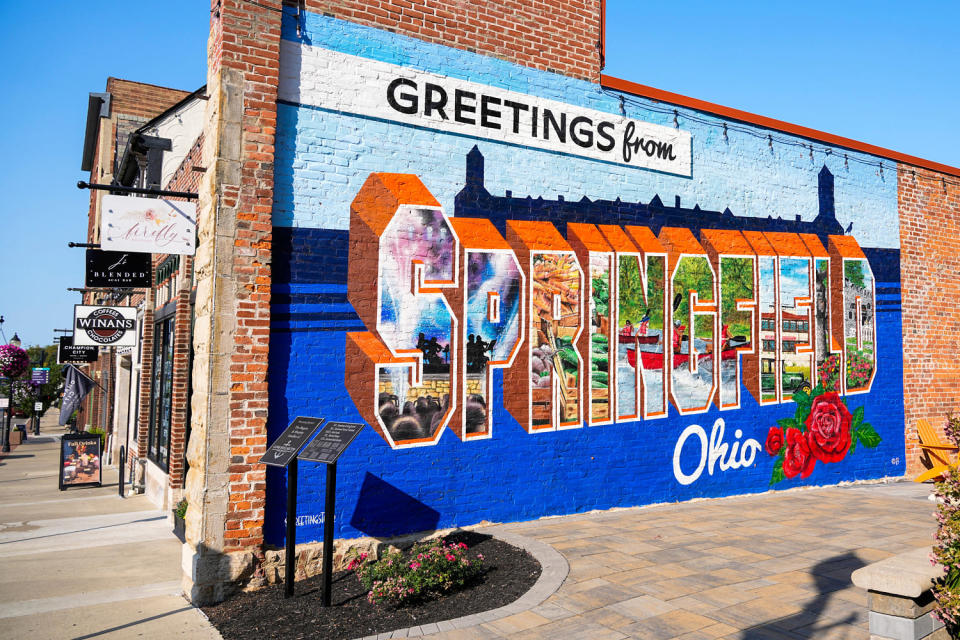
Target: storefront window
[161, 397]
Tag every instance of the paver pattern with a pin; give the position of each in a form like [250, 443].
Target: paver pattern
[775, 565]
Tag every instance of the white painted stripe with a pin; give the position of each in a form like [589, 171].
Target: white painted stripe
[83, 599]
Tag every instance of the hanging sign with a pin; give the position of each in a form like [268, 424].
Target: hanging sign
[118, 269]
[105, 326]
[69, 352]
[148, 225]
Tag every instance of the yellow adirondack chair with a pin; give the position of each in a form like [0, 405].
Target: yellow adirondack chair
[938, 451]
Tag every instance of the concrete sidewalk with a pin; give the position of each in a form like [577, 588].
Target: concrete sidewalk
[84, 563]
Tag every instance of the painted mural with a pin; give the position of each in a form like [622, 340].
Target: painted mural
[533, 324]
[697, 340]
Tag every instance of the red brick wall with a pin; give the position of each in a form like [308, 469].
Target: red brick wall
[146, 375]
[552, 35]
[185, 178]
[245, 37]
[929, 267]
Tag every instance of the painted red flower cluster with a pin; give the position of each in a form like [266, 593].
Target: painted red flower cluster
[823, 430]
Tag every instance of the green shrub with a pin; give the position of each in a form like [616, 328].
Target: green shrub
[425, 570]
[101, 432]
[181, 509]
[946, 548]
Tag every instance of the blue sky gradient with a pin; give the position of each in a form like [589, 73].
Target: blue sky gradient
[877, 72]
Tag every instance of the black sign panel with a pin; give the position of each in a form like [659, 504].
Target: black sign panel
[118, 269]
[283, 449]
[332, 441]
[68, 352]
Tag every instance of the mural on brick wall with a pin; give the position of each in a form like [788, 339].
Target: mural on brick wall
[545, 298]
[574, 328]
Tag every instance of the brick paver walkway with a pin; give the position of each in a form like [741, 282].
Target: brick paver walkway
[774, 565]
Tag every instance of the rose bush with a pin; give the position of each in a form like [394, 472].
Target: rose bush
[426, 569]
[828, 427]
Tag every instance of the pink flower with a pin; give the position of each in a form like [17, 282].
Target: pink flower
[450, 557]
[363, 556]
[463, 545]
[414, 565]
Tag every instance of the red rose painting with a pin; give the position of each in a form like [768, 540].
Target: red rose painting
[821, 430]
[828, 428]
[774, 441]
[797, 457]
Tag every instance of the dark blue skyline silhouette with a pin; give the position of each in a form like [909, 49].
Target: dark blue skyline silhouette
[476, 202]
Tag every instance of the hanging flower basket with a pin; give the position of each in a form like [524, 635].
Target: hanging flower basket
[13, 361]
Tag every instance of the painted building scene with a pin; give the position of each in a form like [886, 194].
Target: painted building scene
[515, 296]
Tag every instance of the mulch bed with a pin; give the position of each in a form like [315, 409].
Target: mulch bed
[256, 615]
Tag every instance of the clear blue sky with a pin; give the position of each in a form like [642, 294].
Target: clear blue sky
[880, 72]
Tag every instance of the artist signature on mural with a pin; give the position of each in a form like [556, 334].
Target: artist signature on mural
[714, 452]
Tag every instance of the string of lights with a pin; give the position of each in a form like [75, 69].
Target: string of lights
[726, 127]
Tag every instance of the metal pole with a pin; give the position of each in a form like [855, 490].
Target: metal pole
[149, 192]
[6, 423]
[4, 435]
[328, 533]
[123, 463]
[291, 540]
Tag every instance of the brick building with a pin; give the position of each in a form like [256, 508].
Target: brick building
[147, 137]
[544, 290]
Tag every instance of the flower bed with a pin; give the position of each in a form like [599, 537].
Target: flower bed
[508, 573]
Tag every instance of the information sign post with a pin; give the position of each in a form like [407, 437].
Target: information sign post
[326, 448]
[283, 453]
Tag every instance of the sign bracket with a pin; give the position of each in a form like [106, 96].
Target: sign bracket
[116, 188]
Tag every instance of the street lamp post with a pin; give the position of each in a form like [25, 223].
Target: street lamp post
[36, 421]
[15, 341]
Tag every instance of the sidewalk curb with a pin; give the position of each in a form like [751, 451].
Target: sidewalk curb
[553, 571]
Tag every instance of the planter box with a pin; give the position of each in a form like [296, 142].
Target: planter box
[179, 528]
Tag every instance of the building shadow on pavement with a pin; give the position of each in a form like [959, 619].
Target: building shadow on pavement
[825, 615]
